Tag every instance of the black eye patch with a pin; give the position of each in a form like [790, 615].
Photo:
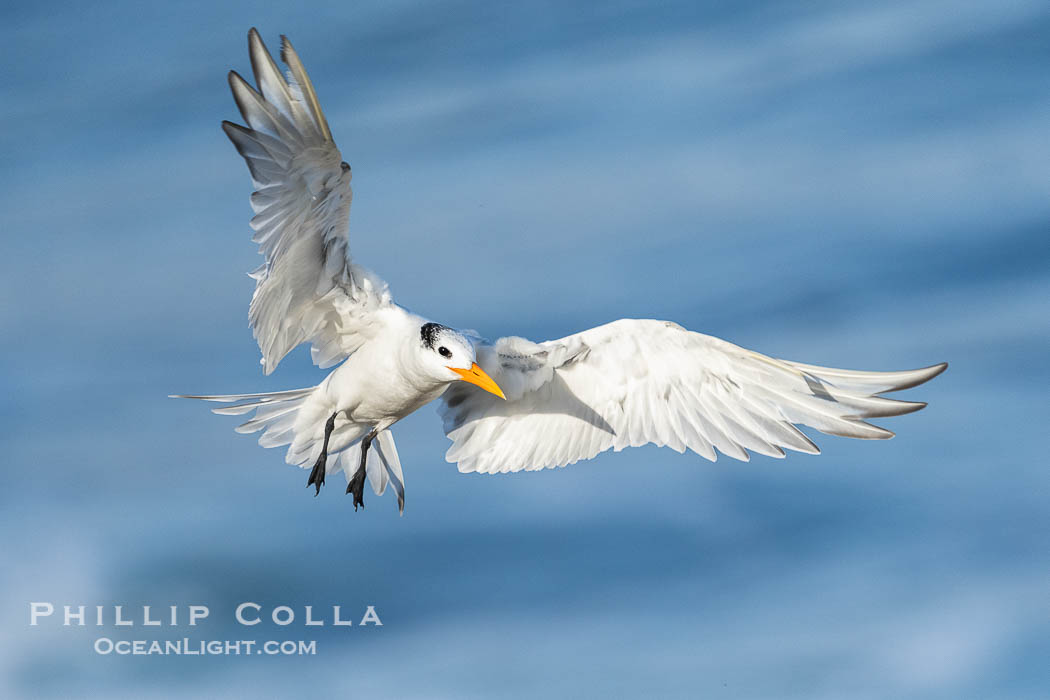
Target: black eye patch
[429, 333]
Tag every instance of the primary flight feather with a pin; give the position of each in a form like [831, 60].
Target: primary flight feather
[509, 405]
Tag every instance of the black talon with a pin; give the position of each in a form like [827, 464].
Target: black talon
[317, 473]
[357, 487]
[357, 483]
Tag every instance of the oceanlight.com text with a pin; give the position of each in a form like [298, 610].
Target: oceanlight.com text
[105, 646]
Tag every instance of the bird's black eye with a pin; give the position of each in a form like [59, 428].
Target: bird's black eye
[445, 352]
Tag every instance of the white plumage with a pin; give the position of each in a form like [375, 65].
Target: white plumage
[635, 382]
[307, 290]
[507, 406]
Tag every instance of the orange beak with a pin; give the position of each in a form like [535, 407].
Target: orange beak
[476, 375]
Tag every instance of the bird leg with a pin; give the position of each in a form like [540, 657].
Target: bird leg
[317, 474]
[357, 483]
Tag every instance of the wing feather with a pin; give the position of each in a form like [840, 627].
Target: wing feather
[637, 382]
[308, 290]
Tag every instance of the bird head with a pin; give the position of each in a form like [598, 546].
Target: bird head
[450, 356]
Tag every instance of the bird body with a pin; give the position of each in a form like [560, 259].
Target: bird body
[507, 405]
[361, 386]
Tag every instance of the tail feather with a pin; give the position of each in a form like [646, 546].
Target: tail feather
[252, 399]
[276, 413]
[382, 466]
[387, 451]
[267, 415]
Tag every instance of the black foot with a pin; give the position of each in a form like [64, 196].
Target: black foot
[357, 482]
[357, 487]
[317, 474]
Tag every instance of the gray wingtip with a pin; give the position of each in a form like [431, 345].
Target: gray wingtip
[237, 81]
[916, 377]
[924, 375]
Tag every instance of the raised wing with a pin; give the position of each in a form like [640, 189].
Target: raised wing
[634, 382]
[308, 289]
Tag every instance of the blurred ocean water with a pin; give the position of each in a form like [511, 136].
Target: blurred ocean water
[854, 184]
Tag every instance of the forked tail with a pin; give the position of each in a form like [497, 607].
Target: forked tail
[275, 412]
[275, 415]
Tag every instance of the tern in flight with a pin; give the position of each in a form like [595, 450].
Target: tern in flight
[508, 405]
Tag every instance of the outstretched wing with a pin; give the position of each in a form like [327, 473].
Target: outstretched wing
[634, 382]
[308, 289]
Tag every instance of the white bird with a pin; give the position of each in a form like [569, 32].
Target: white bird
[508, 405]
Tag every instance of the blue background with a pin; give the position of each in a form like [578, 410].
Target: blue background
[858, 184]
